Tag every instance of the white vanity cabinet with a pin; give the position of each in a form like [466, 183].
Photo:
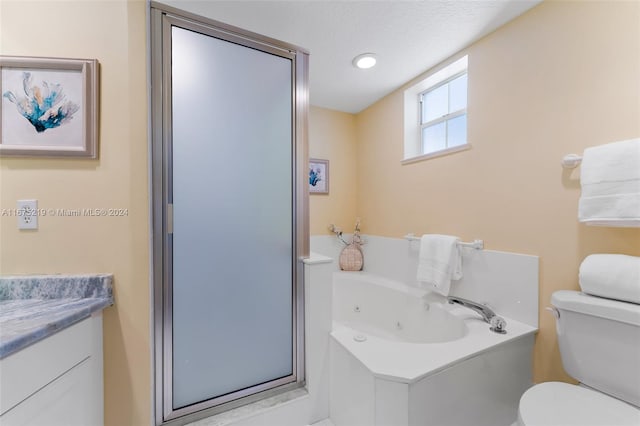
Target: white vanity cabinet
[56, 381]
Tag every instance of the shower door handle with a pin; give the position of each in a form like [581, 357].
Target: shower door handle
[169, 218]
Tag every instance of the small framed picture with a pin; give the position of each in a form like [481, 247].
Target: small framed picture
[49, 107]
[318, 176]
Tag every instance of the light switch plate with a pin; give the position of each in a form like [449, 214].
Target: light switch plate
[27, 212]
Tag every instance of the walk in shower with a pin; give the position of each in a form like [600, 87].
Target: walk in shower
[229, 111]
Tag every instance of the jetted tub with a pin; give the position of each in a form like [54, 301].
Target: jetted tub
[402, 357]
[392, 311]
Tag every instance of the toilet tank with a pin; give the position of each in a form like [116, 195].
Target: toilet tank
[600, 343]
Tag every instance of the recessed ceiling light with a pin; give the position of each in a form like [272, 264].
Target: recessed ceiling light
[364, 61]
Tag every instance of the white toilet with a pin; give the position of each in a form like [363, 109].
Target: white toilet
[600, 346]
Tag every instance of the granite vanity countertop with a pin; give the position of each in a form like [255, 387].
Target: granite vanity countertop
[36, 306]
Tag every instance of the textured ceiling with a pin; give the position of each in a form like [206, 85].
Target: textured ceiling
[408, 37]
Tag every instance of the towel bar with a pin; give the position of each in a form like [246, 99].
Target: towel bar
[571, 161]
[475, 244]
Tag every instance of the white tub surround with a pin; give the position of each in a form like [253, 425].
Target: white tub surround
[401, 357]
[508, 282]
[406, 362]
[318, 300]
[482, 390]
[406, 341]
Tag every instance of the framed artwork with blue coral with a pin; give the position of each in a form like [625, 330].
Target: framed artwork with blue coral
[49, 107]
[318, 176]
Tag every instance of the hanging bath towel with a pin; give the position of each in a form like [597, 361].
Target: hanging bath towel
[440, 261]
[610, 180]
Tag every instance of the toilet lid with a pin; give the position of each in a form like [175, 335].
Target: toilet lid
[556, 403]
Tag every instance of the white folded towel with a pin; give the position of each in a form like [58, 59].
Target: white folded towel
[614, 276]
[439, 262]
[610, 179]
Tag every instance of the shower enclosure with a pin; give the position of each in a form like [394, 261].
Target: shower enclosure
[229, 111]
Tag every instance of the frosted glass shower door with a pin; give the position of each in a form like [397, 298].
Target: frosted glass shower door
[233, 258]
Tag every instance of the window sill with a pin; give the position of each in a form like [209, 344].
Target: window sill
[436, 154]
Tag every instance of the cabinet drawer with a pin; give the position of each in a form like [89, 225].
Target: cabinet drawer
[67, 401]
[25, 372]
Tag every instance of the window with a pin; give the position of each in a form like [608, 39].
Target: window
[436, 114]
[443, 115]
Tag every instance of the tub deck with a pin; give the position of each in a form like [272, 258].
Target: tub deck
[409, 362]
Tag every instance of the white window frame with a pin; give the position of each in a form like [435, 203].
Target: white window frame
[442, 119]
[413, 112]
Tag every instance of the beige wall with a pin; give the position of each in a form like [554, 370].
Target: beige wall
[332, 136]
[560, 78]
[114, 33]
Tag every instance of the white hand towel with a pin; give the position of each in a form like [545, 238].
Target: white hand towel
[440, 261]
[610, 180]
[615, 276]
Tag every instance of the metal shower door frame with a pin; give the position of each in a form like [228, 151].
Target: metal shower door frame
[162, 19]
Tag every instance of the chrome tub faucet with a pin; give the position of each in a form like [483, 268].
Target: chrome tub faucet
[498, 324]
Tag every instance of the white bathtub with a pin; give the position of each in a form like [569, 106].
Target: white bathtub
[398, 358]
[391, 311]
